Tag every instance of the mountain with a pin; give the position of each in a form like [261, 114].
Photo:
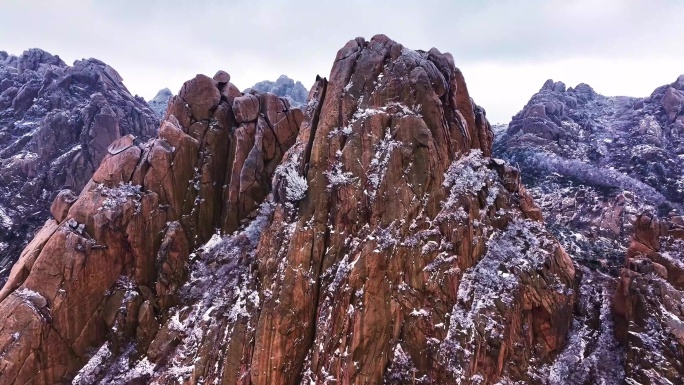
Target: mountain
[160, 101]
[371, 231]
[608, 174]
[295, 93]
[596, 162]
[368, 239]
[56, 122]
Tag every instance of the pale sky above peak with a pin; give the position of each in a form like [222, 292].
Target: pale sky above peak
[506, 49]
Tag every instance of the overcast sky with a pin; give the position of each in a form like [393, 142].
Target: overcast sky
[506, 49]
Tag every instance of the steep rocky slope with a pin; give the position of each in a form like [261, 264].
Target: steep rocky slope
[370, 240]
[602, 169]
[581, 151]
[160, 102]
[109, 264]
[56, 122]
[294, 92]
[649, 302]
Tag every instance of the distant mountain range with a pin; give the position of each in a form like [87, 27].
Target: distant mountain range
[160, 101]
[294, 92]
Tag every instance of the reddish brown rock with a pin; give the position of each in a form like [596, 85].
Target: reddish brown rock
[222, 77]
[113, 266]
[202, 95]
[392, 249]
[648, 303]
[246, 108]
[60, 207]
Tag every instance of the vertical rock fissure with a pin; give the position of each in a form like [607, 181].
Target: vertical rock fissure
[314, 123]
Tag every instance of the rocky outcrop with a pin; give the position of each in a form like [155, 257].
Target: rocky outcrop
[160, 101]
[609, 142]
[595, 164]
[56, 123]
[649, 302]
[294, 92]
[371, 239]
[109, 268]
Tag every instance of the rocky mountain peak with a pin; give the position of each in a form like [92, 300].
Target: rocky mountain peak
[33, 59]
[56, 122]
[550, 85]
[679, 83]
[163, 95]
[607, 172]
[368, 239]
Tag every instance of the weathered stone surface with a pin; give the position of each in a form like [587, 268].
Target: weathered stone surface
[113, 266]
[222, 77]
[377, 172]
[370, 240]
[62, 203]
[56, 123]
[648, 303]
[672, 101]
[202, 95]
[246, 108]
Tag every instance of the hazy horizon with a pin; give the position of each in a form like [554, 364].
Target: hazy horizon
[506, 51]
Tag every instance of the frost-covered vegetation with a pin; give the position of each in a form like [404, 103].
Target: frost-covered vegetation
[338, 177]
[592, 354]
[489, 289]
[117, 196]
[548, 163]
[220, 292]
[468, 176]
[378, 165]
[295, 183]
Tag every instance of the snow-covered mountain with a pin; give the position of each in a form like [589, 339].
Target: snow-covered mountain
[294, 92]
[608, 173]
[372, 236]
[160, 101]
[56, 122]
[369, 238]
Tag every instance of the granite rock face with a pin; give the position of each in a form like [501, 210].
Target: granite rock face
[107, 269]
[369, 239]
[56, 122]
[600, 167]
[294, 92]
[649, 302]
